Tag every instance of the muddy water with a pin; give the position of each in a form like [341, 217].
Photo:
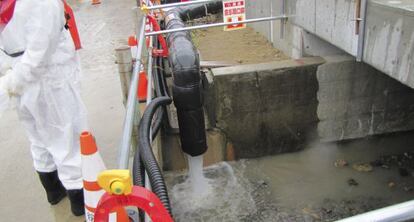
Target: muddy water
[302, 186]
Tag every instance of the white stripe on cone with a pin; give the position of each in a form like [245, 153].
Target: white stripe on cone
[92, 166]
[92, 198]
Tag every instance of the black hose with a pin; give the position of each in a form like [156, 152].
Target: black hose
[161, 77]
[138, 162]
[160, 111]
[157, 71]
[191, 12]
[145, 152]
[198, 11]
[161, 89]
[169, 1]
[138, 174]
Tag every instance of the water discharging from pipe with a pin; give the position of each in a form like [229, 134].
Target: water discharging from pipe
[199, 184]
[210, 194]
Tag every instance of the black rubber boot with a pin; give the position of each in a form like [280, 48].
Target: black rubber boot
[54, 189]
[77, 204]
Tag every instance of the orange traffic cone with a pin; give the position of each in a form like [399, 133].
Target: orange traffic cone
[142, 86]
[96, 2]
[133, 44]
[132, 41]
[92, 165]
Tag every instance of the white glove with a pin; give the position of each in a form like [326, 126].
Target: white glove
[9, 84]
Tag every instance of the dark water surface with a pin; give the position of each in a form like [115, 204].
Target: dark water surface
[303, 186]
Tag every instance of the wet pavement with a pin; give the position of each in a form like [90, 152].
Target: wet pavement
[101, 27]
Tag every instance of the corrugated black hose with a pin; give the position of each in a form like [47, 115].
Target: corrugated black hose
[160, 90]
[145, 153]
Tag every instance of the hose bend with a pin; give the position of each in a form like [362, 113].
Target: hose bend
[146, 154]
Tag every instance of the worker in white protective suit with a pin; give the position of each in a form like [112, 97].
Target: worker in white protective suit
[40, 69]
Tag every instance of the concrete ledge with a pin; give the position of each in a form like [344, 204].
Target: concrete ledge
[264, 109]
[401, 7]
[279, 65]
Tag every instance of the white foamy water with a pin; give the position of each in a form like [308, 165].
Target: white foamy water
[212, 194]
[197, 181]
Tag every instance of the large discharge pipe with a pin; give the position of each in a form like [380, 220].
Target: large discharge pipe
[185, 65]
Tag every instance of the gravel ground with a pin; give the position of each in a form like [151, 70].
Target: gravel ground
[244, 46]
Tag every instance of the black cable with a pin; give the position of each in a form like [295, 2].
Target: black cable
[160, 90]
[162, 77]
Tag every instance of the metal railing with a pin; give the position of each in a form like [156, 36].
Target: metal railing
[216, 25]
[394, 213]
[123, 156]
[361, 34]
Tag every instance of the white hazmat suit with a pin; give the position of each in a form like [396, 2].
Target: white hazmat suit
[45, 82]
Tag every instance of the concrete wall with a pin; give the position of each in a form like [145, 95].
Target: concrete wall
[356, 100]
[272, 108]
[389, 34]
[332, 21]
[389, 43]
[265, 109]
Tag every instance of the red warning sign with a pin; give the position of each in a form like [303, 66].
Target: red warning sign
[234, 11]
